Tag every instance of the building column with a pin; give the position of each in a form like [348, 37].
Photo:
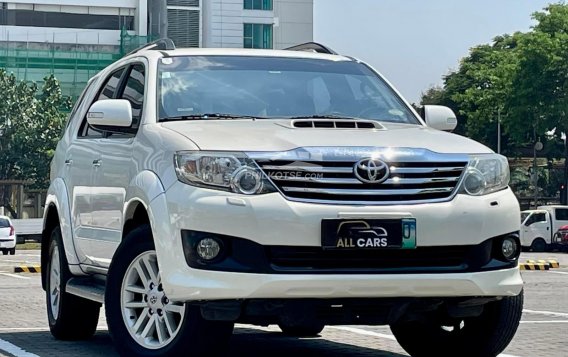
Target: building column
[142, 17]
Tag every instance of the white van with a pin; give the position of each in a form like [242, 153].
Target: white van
[538, 226]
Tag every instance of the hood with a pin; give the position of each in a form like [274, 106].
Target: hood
[280, 135]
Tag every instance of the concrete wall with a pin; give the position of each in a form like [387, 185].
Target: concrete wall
[294, 22]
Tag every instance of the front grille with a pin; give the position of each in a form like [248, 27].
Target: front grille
[335, 181]
[423, 258]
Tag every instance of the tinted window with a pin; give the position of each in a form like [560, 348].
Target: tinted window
[134, 92]
[4, 223]
[78, 103]
[35, 18]
[270, 87]
[107, 92]
[536, 218]
[562, 214]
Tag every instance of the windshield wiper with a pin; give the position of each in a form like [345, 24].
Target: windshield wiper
[324, 116]
[206, 116]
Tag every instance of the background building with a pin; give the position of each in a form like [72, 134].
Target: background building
[74, 39]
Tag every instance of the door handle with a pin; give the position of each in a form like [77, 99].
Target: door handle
[97, 162]
[69, 162]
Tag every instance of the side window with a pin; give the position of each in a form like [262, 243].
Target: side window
[78, 104]
[562, 214]
[134, 92]
[107, 92]
[536, 218]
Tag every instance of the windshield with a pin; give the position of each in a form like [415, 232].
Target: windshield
[524, 216]
[272, 87]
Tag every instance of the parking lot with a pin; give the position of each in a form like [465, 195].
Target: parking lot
[24, 332]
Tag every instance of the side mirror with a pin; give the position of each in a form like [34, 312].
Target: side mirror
[440, 117]
[110, 115]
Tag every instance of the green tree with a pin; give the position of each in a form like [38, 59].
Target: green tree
[31, 121]
[539, 100]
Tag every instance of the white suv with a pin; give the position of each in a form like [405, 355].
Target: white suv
[196, 188]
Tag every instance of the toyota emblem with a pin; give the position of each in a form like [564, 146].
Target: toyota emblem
[371, 171]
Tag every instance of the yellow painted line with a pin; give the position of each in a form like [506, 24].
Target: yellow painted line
[27, 269]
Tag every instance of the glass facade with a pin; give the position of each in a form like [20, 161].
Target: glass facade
[258, 4]
[257, 36]
[65, 20]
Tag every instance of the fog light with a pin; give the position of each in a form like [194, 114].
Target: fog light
[509, 248]
[208, 248]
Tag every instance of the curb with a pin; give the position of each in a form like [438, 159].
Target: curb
[27, 269]
[533, 266]
[552, 263]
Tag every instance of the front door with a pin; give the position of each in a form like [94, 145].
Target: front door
[116, 170]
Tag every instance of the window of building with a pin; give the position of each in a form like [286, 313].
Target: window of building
[258, 4]
[257, 36]
[36, 18]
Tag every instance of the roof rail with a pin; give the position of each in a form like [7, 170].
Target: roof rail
[312, 46]
[158, 45]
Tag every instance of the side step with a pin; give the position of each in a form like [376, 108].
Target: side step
[87, 288]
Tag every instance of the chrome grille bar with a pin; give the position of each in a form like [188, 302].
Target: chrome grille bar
[354, 181]
[316, 169]
[379, 192]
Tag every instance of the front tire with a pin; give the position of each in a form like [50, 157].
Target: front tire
[484, 336]
[142, 320]
[70, 317]
[539, 245]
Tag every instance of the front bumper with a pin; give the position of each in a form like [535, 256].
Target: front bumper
[271, 220]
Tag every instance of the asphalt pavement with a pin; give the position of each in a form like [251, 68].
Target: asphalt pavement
[24, 332]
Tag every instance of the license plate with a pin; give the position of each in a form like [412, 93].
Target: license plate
[368, 233]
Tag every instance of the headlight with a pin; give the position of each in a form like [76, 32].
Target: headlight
[228, 171]
[485, 174]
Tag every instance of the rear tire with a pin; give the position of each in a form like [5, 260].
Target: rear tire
[539, 245]
[306, 329]
[70, 317]
[484, 336]
[13, 251]
[141, 319]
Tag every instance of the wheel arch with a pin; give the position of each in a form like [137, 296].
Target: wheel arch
[57, 212]
[143, 188]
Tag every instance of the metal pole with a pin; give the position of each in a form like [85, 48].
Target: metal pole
[535, 174]
[499, 131]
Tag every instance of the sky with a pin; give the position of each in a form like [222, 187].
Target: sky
[413, 43]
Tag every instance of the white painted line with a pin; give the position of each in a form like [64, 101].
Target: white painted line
[546, 322]
[8, 329]
[547, 313]
[559, 272]
[363, 332]
[15, 276]
[14, 350]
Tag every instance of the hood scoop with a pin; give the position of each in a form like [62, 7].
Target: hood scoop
[336, 124]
